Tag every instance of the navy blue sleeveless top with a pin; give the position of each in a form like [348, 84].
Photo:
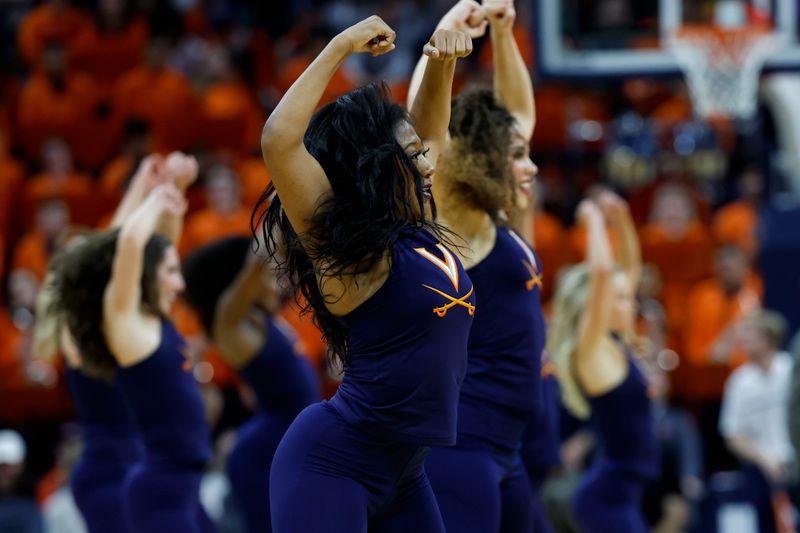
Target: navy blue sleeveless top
[500, 393]
[541, 442]
[408, 347]
[104, 417]
[623, 423]
[166, 403]
[283, 381]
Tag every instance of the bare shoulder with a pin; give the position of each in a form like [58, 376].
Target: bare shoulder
[132, 336]
[344, 293]
[603, 369]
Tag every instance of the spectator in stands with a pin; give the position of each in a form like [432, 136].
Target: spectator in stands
[232, 116]
[113, 42]
[34, 250]
[754, 411]
[59, 179]
[225, 215]
[12, 173]
[159, 96]
[17, 513]
[53, 20]
[736, 222]
[55, 101]
[679, 244]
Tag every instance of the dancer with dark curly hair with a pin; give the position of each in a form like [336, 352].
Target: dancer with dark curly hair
[394, 303]
[114, 292]
[485, 180]
[237, 296]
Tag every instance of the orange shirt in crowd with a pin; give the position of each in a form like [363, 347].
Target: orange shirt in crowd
[162, 98]
[77, 190]
[736, 224]
[106, 56]
[682, 263]
[254, 179]
[206, 226]
[578, 241]
[12, 174]
[232, 117]
[709, 312]
[46, 112]
[32, 253]
[548, 238]
[45, 24]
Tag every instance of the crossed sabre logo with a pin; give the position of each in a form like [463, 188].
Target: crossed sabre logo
[450, 268]
[530, 264]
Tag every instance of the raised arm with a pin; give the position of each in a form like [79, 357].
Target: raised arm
[512, 80]
[179, 169]
[298, 177]
[595, 319]
[629, 255]
[238, 338]
[430, 109]
[123, 292]
[466, 16]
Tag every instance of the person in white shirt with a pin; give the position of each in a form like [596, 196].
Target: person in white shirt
[754, 419]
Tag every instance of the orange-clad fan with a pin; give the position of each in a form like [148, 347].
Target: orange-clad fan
[550, 237]
[713, 310]
[54, 20]
[34, 249]
[232, 117]
[254, 178]
[161, 97]
[680, 246]
[736, 222]
[55, 102]
[117, 172]
[113, 43]
[12, 173]
[60, 180]
[225, 215]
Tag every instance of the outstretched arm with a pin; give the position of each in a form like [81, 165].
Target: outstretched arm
[298, 177]
[147, 176]
[237, 337]
[512, 80]
[123, 292]
[430, 109]
[629, 255]
[466, 16]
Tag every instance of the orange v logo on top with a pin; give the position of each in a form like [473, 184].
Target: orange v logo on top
[449, 266]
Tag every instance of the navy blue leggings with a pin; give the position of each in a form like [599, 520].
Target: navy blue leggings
[96, 484]
[481, 491]
[607, 501]
[165, 498]
[327, 476]
[249, 465]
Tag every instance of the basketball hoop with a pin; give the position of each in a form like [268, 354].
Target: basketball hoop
[722, 66]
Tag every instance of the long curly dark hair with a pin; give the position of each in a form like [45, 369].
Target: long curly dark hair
[80, 274]
[476, 161]
[377, 198]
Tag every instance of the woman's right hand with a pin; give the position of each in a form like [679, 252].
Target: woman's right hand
[371, 35]
[166, 198]
[587, 210]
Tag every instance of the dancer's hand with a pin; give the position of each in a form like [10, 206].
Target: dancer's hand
[166, 198]
[587, 210]
[149, 174]
[467, 16]
[181, 170]
[501, 13]
[445, 45]
[371, 35]
[612, 205]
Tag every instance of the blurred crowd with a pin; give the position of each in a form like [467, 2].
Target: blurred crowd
[90, 87]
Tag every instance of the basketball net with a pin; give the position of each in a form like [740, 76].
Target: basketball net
[722, 66]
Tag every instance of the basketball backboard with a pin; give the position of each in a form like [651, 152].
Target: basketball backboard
[612, 38]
